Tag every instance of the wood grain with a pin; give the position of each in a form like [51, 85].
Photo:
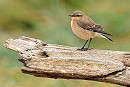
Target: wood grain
[57, 61]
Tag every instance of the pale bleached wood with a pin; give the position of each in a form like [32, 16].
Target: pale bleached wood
[57, 61]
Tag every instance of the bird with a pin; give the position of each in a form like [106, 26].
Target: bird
[85, 28]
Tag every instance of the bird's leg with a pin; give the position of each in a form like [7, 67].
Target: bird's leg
[89, 44]
[83, 46]
[85, 49]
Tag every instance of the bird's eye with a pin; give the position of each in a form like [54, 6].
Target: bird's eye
[78, 15]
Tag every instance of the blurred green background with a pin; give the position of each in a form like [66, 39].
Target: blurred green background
[48, 21]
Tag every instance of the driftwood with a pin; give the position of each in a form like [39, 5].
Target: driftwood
[56, 61]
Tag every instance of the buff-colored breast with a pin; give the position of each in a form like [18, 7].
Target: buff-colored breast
[81, 33]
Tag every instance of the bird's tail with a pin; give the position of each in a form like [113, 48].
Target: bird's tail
[106, 37]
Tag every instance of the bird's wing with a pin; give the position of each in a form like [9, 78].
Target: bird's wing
[87, 25]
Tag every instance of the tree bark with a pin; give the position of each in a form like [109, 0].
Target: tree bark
[57, 61]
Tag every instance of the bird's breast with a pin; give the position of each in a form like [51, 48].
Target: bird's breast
[81, 33]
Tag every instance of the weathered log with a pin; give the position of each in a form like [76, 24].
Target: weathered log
[56, 61]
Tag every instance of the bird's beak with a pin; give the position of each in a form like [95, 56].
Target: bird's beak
[71, 15]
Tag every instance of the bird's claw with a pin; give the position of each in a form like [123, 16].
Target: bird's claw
[84, 49]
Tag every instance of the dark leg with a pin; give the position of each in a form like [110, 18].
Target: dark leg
[85, 49]
[89, 43]
[83, 46]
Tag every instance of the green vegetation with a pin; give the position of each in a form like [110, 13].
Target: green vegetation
[48, 20]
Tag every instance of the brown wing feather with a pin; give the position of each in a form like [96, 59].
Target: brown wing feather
[87, 25]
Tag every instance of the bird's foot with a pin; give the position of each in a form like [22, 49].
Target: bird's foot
[84, 49]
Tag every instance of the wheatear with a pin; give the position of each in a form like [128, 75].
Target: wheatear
[85, 28]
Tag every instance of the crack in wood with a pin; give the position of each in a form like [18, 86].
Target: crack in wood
[23, 61]
[44, 54]
[113, 73]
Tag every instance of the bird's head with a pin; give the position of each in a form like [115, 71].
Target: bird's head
[77, 15]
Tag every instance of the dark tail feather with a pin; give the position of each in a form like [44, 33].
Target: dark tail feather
[107, 33]
[107, 38]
